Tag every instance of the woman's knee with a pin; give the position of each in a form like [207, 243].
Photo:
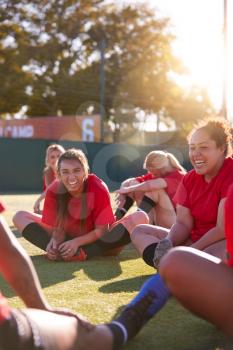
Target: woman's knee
[133, 220]
[22, 218]
[138, 237]
[173, 264]
[19, 217]
[140, 217]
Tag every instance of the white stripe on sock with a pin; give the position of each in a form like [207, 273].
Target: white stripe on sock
[124, 331]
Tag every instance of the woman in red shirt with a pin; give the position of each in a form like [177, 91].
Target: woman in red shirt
[77, 220]
[153, 192]
[200, 197]
[202, 282]
[41, 327]
[53, 152]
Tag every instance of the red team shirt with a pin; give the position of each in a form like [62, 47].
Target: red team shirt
[2, 208]
[99, 212]
[52, 177]
[98, 208]
[172, 179]
[202, 198]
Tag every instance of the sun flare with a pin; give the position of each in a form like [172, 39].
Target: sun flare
[199, 29]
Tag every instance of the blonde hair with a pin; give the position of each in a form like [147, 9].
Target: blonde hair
[51, 148]
[161, 159]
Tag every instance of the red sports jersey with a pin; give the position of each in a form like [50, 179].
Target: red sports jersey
[172, 179]
[51, 176]
[228, 220]
[2, 208]
[4, 309]
[98, 207]
[202, 198]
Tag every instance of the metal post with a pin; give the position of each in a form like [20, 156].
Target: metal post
[102, 86]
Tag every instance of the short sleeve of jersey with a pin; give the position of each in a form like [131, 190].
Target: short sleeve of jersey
[226, 177]
[50, 205]
[173, 180]
[181, 196]
[102, 213]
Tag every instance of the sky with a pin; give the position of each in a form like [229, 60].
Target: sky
[198, 27]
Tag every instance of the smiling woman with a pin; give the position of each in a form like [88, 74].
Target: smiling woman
[77, 220]
[199, 198]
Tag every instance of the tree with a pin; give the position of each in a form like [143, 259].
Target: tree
[191, 106]
[139, 56]
[14, 40]
[53, 48]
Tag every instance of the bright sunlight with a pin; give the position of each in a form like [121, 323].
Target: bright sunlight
[198, 26]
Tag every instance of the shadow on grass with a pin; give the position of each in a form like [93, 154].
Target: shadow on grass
[126, 285]
[105, 268]
[15, 232]
[97, 269]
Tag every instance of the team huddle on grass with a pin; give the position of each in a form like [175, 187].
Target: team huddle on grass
[182, 226]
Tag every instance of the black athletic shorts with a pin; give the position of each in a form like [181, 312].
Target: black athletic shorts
[20, 333]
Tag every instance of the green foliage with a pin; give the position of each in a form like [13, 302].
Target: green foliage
[50, 61]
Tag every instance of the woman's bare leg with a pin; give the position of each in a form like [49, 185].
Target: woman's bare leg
[218, 249]
[23, 218]
[144, 235]
[164, 212]
[68, 333]
[132, 220]
[202, 283]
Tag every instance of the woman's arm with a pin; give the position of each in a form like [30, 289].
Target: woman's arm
[18, 270]
[147, 186]
[180, 231]
[36, 206]
[216, 233]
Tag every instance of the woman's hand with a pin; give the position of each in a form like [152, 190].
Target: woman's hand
[52, 250]
[68, 249]
[36, 207]
[119, 200]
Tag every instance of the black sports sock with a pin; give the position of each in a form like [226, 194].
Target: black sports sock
[37, 235]
[120, 212]
[149, 253]
[131, 320]
[118, 236]
[146, 204]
